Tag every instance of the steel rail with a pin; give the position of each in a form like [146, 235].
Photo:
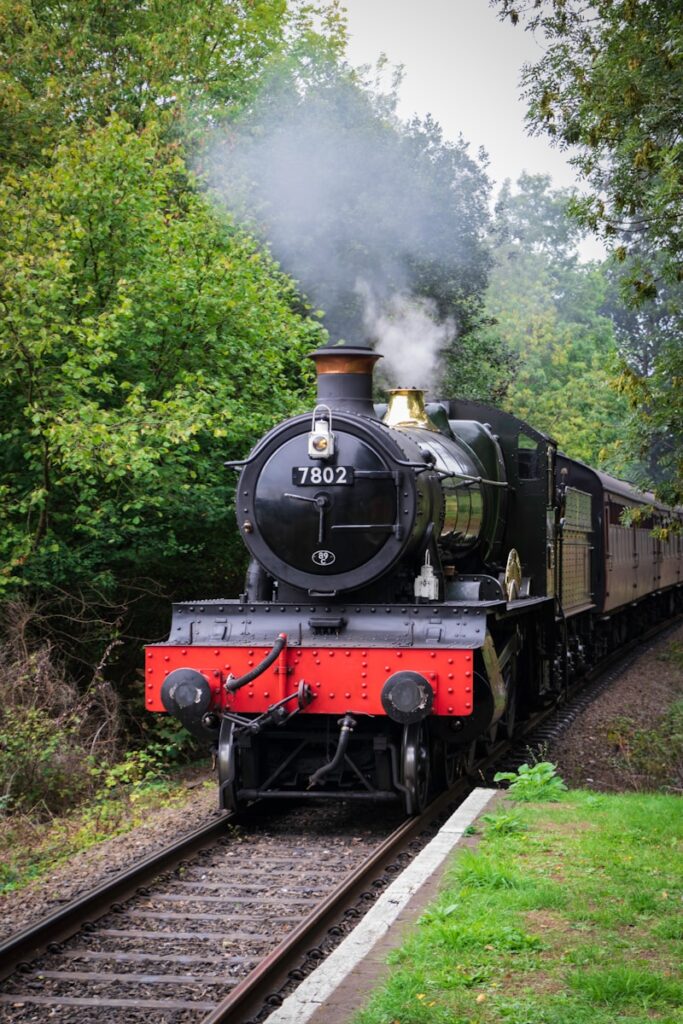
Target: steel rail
[261, 986]
[66, 921]
[274, 971]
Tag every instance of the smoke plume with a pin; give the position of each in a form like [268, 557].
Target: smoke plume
[407, 332]
[345, 193]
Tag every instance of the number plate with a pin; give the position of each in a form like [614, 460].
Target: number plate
[322, 476]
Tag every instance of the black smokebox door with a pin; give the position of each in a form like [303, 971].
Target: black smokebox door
[329, 529]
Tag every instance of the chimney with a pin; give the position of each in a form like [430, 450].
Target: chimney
[406, 408]
[345, 378]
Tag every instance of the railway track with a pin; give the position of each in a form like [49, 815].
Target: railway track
[251, 911]
[220, 924]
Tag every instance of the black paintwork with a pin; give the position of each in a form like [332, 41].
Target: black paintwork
[530, 474]
[360, 533]
[336, 566]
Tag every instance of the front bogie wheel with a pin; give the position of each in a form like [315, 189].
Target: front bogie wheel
[228, 769]
[416, 768]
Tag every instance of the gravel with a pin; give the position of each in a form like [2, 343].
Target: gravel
[174, 949]
[587, 755]
[584, 757]
[100, 862]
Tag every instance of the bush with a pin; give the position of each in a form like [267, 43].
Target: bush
[52, 737]
[42, 762]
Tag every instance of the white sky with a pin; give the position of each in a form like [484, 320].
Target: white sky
[462, 65]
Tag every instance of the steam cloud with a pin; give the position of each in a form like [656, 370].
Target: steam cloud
[406, 331]
[366, 214]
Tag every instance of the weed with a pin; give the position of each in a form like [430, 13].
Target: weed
[42, 765]
[673, 654]
[477, 870]
[139, 768]
[504, 823]
[166, 733]
[488, 936]
[438, 914]
[51, 734]
[533, 782]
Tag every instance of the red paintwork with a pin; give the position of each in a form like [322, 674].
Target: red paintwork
[343, 679]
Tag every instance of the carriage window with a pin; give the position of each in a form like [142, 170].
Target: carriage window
[527, 457]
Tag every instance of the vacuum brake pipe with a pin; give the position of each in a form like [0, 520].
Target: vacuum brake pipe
[235, 684]
[348, 724]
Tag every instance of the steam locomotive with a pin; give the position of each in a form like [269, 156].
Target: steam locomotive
[420, 575]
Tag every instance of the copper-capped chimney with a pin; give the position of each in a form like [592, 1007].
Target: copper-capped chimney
[345, 378]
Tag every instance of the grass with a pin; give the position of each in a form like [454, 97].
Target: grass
[566, 913]
[30, 848]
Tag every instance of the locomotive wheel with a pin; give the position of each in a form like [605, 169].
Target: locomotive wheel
[416, 767]
[466, 758]
[509, 719]
[450, 761]
[445, 763]
[227, 764]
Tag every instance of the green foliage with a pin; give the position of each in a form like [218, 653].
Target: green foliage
[166, 734]
[650, 378]
[610, 87]
[144, 340]
[655, 431]
[503, 823]
[178, 66]
[43, 765]
[549, 309]
[533, 782]
[138, 769]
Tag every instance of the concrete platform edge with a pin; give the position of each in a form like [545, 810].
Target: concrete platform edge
[320, 986]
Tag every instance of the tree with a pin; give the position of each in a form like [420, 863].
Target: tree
[184, 67]
[651, 378]
[143, 340]
[610, 85]
[144, 337]
[549, 307]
